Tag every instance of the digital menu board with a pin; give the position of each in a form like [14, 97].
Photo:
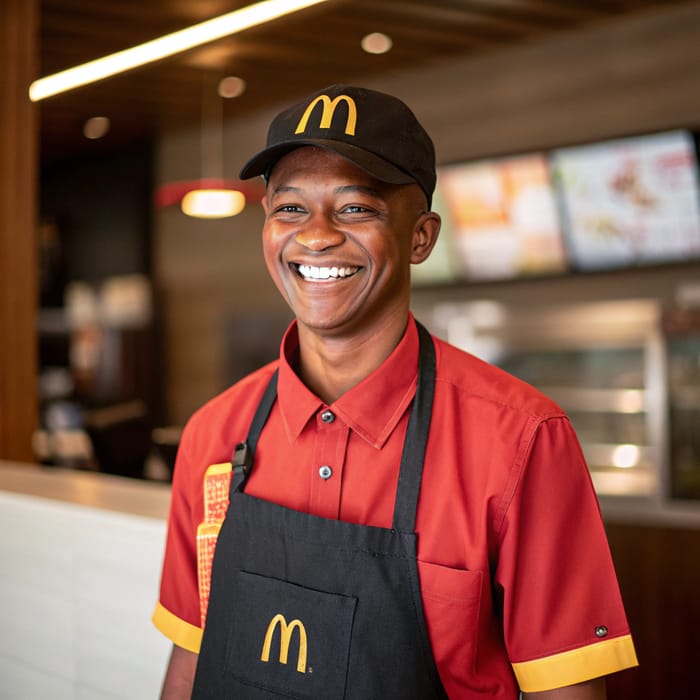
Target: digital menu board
[631, 201]
[500, 218]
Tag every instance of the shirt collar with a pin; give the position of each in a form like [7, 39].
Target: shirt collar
[372, 408]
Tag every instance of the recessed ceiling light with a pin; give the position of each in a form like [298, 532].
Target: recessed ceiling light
[96, 127]
[232, 86]
[377, 43]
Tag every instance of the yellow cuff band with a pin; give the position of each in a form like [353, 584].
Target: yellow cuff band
[179, 632]
[576, 666]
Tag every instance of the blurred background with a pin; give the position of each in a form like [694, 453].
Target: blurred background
[567, 144]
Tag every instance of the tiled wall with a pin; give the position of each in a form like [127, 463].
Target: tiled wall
[77, 588]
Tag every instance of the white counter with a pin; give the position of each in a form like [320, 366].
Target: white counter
[80, 556]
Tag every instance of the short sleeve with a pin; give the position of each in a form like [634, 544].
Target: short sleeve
[563, 616]
[177, 613]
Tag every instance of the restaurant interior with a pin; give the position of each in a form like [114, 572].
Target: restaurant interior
[568, 148]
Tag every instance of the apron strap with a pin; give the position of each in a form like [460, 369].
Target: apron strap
[416, 437]
[244, 452]
[262, 412]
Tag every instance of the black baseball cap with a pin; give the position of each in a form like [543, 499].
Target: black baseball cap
[375, 131]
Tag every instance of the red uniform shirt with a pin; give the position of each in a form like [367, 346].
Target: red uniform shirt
[515, 571]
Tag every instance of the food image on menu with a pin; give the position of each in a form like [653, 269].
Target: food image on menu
[502, 218]
[631, 201]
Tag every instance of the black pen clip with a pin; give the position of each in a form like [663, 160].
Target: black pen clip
[242, 461]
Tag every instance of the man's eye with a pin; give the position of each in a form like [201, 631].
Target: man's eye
[289, 209]
[355, 209]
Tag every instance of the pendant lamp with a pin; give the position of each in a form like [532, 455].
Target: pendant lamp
[212, 197]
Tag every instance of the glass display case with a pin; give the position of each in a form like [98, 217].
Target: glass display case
[603, 392]
[602, 362]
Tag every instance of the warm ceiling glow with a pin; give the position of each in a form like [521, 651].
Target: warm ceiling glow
[231, 86]
[96, 127]
[376, 42]
[168, 45]
[213, 204]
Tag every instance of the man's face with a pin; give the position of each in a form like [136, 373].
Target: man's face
[338, 243]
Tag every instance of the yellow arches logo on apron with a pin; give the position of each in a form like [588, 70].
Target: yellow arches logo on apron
[286, 631]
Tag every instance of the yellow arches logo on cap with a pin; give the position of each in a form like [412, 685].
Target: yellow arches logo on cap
[286, 631]
[329, 107]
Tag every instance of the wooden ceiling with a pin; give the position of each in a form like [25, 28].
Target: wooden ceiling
[279, 61]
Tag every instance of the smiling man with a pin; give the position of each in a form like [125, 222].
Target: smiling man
[377, 514]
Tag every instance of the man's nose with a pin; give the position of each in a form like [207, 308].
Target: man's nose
[319, 233]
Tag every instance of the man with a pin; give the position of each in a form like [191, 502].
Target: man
[391, 517]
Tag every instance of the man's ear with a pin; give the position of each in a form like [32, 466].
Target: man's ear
[425, 235]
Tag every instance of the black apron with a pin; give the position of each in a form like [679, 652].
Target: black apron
[318, 609]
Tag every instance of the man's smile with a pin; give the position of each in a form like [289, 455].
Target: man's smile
[310, 272]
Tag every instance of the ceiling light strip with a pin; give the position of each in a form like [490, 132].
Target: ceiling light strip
[168, 45]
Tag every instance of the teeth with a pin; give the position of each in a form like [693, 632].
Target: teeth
[323, 273]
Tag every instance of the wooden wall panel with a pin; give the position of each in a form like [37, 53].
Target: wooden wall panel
[659, 573]
[18, 265]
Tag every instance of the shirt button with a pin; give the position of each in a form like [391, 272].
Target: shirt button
[601, 631]
[328, 416]
[325, 472]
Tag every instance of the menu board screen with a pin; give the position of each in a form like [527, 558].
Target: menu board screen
[631, 201]
[500, 217]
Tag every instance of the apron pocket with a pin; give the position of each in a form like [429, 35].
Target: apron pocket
[289, 639]
[451, 600]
